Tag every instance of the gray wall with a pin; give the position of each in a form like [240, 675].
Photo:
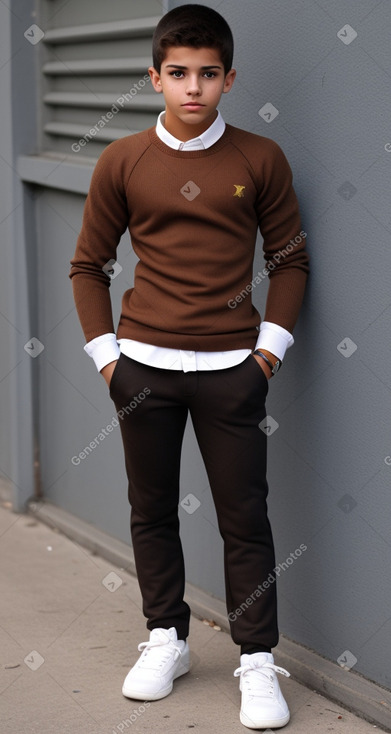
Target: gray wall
[6, 206]
[329, 474]
[18, 310]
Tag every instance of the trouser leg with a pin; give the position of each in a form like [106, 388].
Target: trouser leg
[152, 435]
[226, 413]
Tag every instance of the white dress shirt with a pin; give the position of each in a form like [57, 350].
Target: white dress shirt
[105, 349]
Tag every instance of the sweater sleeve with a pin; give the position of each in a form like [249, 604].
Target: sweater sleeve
[105, 219]
[284, 240]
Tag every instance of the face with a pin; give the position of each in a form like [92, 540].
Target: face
[192, 82]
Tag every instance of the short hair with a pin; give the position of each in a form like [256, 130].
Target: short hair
[193, 25]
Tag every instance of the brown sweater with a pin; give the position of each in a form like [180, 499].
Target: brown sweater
[193, 218]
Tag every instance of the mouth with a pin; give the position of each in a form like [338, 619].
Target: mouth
[193, 105]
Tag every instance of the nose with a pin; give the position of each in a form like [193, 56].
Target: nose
[193, 85]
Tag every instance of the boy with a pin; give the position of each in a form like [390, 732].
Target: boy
[193, 192]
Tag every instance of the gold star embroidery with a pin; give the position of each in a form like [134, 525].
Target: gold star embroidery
[239, 191]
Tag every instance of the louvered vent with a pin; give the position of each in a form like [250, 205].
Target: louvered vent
[95, 83]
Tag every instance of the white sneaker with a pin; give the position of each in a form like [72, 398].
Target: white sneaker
[164, 658]
[263, 705]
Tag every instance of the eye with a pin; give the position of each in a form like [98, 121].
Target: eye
[210, 74]
[177, 74]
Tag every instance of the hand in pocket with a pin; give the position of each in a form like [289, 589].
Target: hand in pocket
[108, 370]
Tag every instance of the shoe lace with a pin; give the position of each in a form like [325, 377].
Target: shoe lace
[149, 649]
[257, 678]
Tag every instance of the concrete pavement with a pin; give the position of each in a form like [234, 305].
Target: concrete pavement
[70, 623]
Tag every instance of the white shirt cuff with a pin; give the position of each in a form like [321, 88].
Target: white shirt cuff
[103, 350]
[274, 338]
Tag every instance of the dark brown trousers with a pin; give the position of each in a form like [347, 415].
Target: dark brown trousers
[226, 407]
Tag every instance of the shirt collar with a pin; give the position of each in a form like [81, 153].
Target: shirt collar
[204, 141]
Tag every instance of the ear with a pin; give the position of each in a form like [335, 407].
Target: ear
[229, 80]
[155, 79]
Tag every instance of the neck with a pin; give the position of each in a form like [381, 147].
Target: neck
[184, 132]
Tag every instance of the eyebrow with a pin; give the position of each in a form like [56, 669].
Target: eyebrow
[205, 68]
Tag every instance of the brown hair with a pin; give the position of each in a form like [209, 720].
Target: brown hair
[193, 25]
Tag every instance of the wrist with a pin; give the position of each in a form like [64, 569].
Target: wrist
[263, 366]
[270, 359]
[107, 371]
[273, 358]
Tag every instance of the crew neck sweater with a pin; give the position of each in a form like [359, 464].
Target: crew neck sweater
[193, 218]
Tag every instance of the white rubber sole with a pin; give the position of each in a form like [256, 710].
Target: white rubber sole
[265, 723]
[144, 695]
